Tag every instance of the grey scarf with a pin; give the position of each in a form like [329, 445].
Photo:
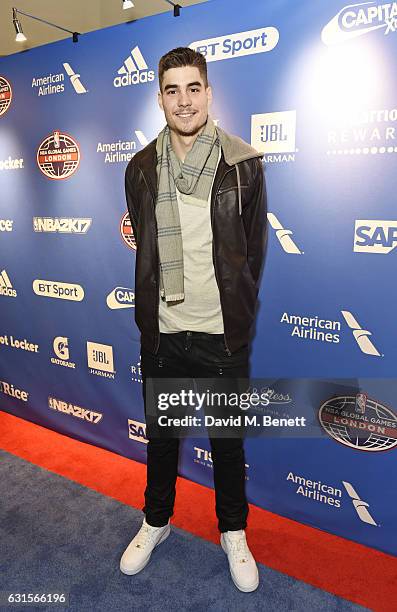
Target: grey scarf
[194, 178]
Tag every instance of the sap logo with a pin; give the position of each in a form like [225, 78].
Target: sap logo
[374, 236]
[134, 70]
[137, 431]
[358, 19]
[238, 44]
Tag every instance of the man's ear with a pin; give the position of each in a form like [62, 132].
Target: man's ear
[160, 100]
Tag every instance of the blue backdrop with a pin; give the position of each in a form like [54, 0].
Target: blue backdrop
[311, 85]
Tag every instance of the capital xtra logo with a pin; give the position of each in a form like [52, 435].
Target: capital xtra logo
[358, 19]
[134, 70]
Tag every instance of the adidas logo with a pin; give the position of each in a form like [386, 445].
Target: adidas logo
[134, 70]
[6, 285]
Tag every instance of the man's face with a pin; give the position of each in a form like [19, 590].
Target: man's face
[184, 100]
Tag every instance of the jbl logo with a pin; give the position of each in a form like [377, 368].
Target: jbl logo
[274, 132]
[100, 356]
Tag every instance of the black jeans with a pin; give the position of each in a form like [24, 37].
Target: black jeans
[195, 355]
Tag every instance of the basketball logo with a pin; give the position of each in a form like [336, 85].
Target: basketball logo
[5, 95]
[58, 156]
[126, 231]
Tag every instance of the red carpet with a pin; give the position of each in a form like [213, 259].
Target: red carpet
[355, 572]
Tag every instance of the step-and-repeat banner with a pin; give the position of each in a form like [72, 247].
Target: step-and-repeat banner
[314, 87]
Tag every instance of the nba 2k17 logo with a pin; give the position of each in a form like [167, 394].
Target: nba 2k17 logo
[58, 156]
[5, 95]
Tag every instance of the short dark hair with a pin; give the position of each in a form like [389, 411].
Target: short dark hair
[183, 56]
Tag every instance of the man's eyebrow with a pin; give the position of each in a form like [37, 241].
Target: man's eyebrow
[194, 84]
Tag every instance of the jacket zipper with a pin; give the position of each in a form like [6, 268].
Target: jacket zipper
[213, 200]
[158, 259]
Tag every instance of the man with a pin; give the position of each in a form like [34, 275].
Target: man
[197, 205]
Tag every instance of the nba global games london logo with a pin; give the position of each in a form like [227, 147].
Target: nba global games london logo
[359, 422]
[126, 231]
[5, 95]
[58, 156]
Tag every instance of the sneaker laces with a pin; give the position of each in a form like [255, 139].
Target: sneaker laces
[238, 548]
[144, 536]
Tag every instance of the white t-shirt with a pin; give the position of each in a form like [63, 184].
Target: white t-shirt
[201, 308]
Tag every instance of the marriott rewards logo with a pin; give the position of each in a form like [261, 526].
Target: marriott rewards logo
[237, 44]
[358, 19]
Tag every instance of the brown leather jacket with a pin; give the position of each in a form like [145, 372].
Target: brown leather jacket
[238, 218]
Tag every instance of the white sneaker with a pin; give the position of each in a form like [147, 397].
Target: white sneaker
[242, 564]
[138, 552]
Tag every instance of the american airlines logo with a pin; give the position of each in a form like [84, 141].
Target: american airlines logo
[6, 287]
[134, 70]
[360, 506]
[358, 19]
[360, 335]
[54, 83]
[283, 235]
[375, 236]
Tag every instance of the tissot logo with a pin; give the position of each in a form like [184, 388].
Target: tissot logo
[359, 19]
[63, 225]
[237, 44]
[375, 236]
[283, 235]
[54, 83]
[274, 135]
[134, 71]
[5, 95]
